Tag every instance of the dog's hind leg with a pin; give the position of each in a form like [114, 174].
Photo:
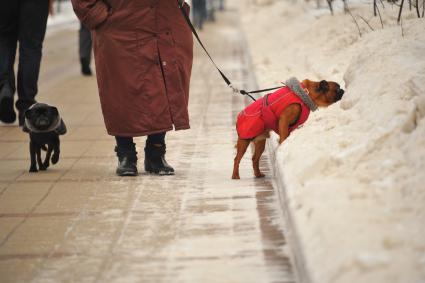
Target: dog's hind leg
[259, 149]
[241, 147]
[33, 167]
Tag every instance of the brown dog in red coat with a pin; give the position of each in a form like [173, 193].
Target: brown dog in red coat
[282, 111]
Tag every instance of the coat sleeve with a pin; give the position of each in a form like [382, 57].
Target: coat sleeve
[91, 12]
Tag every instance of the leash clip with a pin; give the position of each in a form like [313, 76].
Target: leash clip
[234, 89]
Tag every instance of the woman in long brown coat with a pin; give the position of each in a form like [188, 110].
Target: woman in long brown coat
[143, 54]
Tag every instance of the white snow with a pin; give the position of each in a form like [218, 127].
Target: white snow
[354, 174]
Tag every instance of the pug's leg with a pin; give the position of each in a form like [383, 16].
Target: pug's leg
[46, 163]
[56, 151]
[259, 149]
[241, 147]
[38, 156]
[33, 167]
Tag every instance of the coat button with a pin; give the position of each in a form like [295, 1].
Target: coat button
[164, 63]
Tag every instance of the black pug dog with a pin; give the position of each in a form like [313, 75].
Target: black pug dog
[44, 125]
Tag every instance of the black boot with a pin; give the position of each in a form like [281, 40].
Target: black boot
[85, 67]
[155, 160]
[127, 162]
[21, 116]
[7, 113]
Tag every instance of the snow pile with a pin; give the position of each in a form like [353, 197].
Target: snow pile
[354, 174]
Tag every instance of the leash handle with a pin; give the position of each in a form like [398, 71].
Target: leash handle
[225, 78]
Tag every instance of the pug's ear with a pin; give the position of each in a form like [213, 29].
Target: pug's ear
[54, 110]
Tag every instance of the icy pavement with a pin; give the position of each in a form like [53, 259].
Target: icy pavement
[78, 222]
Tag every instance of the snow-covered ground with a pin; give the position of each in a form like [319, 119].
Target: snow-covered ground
[354, 174]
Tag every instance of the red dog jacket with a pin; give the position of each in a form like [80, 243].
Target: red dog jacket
[264, 113]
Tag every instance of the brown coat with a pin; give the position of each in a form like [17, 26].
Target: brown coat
[143, 51]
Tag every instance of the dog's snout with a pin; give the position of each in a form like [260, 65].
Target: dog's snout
[339, 94]
[43, 122]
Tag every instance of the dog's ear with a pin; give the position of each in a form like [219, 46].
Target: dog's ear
[54, 110]
[323, 86]
[61, 130]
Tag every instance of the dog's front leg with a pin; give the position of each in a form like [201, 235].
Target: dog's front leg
[46, 163]
[288, 117]
[241, 147]
[56, 151]
[38, 156]
[283, 130]
[33, 167]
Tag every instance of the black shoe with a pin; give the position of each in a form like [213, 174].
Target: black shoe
[85, 67]
[155, 160]
[127, 162]
[7, 113]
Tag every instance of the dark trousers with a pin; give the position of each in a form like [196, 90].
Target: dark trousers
[22, 21]
[199, 8]
[127, 142]
[85, 43]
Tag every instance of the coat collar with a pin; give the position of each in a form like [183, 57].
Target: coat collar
[295, 85]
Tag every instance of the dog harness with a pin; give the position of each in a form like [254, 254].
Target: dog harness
[264, 113]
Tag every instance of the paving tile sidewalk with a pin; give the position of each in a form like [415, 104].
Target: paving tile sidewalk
[78, 222]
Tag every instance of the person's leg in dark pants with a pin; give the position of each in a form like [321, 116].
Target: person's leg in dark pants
[155, 155]
[85, 46]
[156, 139]
[221, 5]
[8, 43]
[127, 156]
[32, 28]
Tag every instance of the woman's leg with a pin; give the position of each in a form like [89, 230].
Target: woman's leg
[156, 139]
[125, 142]
[155, 155]
[127, 156]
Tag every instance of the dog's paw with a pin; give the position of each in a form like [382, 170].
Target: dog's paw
[55, 159]
[33, 169]
[43, 168]
[236, 177]
[261, 175]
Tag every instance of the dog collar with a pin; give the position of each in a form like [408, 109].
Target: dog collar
[295, 85]
[52, 128]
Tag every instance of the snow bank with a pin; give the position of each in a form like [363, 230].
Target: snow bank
[354, 175]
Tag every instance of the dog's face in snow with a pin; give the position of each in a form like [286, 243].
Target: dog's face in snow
[41, 117]
[324, 93]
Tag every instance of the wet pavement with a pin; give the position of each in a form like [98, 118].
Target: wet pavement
[78, 222]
